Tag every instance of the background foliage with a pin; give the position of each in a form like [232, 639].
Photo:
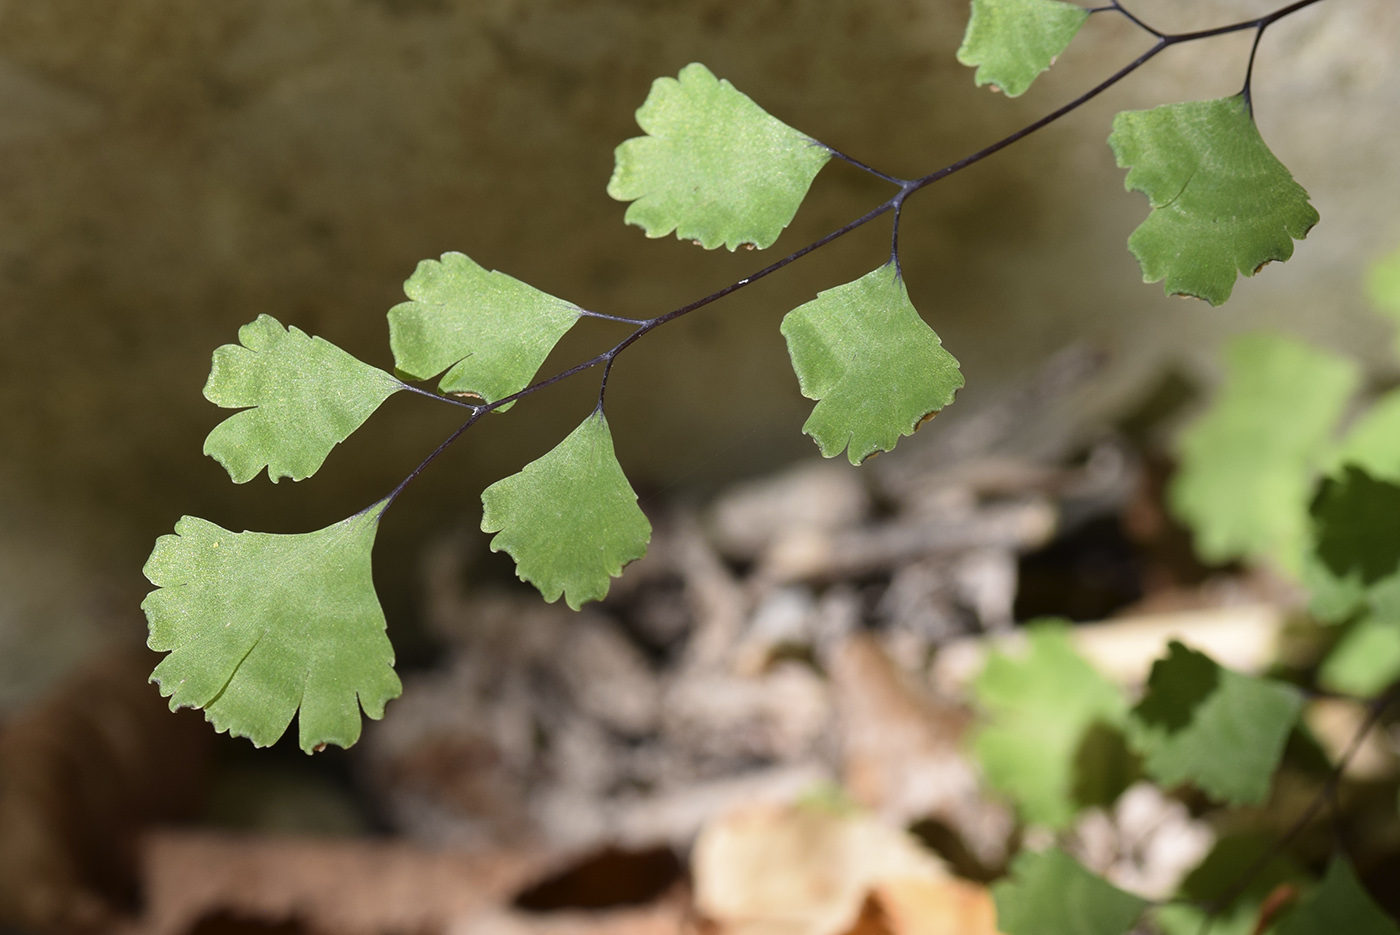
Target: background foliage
[1208, 707]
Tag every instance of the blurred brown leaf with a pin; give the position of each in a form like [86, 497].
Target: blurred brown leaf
[799, 870]
[902, 752]
[345, 887]
[81, 775]
[913, 906]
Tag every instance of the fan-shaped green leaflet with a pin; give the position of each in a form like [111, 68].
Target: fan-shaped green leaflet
[569, 518]
[260, 626]
[1222, 204]
[875, 367]
[714, 166]
[489, 331]
[306, 394]
[1013, 41]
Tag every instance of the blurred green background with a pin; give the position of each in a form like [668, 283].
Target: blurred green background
[170, 169]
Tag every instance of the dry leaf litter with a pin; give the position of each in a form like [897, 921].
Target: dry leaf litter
[775, 694]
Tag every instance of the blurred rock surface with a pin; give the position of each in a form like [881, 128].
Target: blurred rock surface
[172, 169]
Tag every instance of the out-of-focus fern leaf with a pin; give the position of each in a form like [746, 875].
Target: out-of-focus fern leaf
[1339, 905]
[1365, 661]
[1207, 725]
[1248, 464]
[1221, 202]
[1358, 526]
[714, 166]
[306, 396]
[1050, 893]
[1249, 857]
[875, 367]
[1373, 442]
[259, 626]
[1039, 709]
[1354, 562]
[1383, 283]
[1013, 41]
[489, 331]
[1330, 598]
[569, 519]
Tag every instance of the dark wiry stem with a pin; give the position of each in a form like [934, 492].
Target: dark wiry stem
[1377, 710]
[1247, 92]
[477, 413]
[863, 167]
[1045, 121]
[1115, 5]
[894, 233]
[603, 383]
[895, 203]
